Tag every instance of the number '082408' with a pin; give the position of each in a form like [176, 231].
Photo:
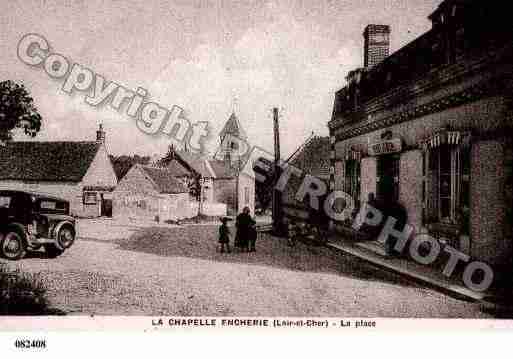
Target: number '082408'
[30, 343]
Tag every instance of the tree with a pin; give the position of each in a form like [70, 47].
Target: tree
[17, 110]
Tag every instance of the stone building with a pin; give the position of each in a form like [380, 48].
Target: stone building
[223, 179]
[429, 127]
[235, 179]
[151, 194]
[80, 172]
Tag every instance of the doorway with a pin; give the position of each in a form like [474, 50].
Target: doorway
[387, 186]
[105, 206]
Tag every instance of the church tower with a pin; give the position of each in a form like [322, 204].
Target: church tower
[230, 138]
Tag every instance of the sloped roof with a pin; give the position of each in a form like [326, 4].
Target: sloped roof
[46, 161]
[164, 180]
[222, 169]
[196, 162]
[187, 161]
[314, 158]
[233, 127]
[177, 169]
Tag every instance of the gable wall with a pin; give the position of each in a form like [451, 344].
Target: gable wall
[100, 173]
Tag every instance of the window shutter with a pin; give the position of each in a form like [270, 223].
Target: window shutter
[431, 185]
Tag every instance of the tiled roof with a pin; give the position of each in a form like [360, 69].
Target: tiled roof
[197, 162]
[164, 180]
[314, 158]
[222, 169]
[177, 169]
[46, 161]
[186, 159]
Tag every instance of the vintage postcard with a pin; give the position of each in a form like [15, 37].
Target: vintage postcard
[270, 165]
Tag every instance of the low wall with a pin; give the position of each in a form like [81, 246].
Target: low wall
[209, 209]
[214, 209]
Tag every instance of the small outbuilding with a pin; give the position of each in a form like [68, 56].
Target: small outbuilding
[151, 194]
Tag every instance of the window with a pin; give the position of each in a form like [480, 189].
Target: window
[90, 198]
[5, 201]
[454, 10]
[448, 185]
[460, 42]
[48, 205]
[352, 180]
[246, 195]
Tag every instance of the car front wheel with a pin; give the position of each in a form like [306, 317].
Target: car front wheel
[66, 236]
[12, 246]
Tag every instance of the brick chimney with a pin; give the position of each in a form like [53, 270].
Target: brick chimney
[100, 134]
[376, 44]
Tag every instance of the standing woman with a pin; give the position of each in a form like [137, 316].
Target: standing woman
[243, 223]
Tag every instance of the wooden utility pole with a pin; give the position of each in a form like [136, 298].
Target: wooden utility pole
[277, 205]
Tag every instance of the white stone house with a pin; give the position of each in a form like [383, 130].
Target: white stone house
[80, 172]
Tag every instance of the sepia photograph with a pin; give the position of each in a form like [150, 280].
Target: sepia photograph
[267, 164]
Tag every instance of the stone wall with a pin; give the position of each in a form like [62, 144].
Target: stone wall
[246, 182]
[488, 205]
[410, 186]
[224, 192]
[368, 176]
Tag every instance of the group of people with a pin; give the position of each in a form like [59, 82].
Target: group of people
[246, 233]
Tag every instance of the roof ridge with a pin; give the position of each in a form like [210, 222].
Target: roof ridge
[145, 174]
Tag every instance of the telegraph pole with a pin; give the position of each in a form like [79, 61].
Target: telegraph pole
[277, 205]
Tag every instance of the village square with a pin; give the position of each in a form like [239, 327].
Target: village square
[385, 192]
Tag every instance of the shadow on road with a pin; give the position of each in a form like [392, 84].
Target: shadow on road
[200, 242]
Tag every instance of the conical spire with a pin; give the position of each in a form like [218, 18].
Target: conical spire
[233, 127]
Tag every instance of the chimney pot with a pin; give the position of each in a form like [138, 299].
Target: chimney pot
[376, 44]
[100, 134]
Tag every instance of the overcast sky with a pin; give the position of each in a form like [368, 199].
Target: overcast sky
[201, 55]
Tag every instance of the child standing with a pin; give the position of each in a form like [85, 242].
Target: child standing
[224, 235]
[252, 237]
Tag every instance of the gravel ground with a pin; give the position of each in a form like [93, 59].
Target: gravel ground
[117, 270]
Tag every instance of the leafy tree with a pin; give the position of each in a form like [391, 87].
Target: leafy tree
[17, 110]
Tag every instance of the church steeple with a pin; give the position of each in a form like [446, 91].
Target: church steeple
[233, 127]
[231, 132]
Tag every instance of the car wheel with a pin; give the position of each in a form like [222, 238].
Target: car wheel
[66, 236]
[52, 251]
[13, 246]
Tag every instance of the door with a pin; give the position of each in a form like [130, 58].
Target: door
[388, 178]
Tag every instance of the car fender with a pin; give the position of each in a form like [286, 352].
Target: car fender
[58, 227]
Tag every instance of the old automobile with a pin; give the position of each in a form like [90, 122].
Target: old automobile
[31, 221]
